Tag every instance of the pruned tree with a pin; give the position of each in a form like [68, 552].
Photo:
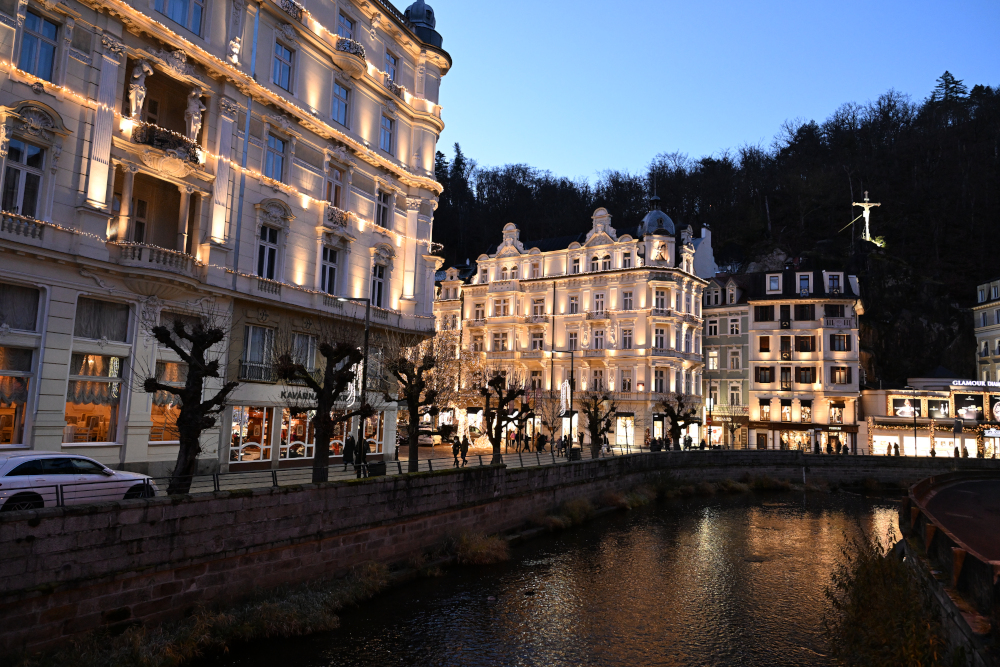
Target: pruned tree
[329, 385]
[731, 413]
[499, 389]
[549, 409]
[192, 339]
[599, 409]
[682, 410]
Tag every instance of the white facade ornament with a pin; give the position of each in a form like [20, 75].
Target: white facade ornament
[228, 108]
[113, 45]
[36, 122]
[233, 50]
[376, 22]
[280, 121]
[564, 394]
[612, 338]
[171, 162]
[4, 330]
[192, 117]
[137, 87]
[287, 32]
[176, 62]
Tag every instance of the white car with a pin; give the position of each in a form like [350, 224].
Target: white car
[32, 480]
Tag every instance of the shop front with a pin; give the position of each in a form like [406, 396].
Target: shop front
[727, 431]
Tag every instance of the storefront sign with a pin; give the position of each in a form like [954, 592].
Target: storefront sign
[969, 406]
[298, 396]
[975, 383]
[938, 409]
[991, 433]
[905, 407]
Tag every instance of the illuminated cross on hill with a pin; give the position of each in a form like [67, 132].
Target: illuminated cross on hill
[867, 206]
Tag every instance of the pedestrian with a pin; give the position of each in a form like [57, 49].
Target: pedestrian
[965, 452]
[888, 450]
[605, 446]
[361, 462]
[895, 449]
[349, 447]
[702, 445]
[456, 447]
[541, 442]
[464, 449]
[956, 451]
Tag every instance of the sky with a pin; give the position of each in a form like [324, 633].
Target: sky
[582, 87]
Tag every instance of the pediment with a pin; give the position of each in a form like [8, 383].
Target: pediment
[508, 251]
[599, 239]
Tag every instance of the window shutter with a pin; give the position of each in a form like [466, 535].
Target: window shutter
[832, 338]
[756, 373]
[849, 380]
[849, 337]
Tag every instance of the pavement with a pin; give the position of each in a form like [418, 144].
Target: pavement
[970, 510]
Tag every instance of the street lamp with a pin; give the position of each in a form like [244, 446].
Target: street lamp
[364, 374]
[710, 403]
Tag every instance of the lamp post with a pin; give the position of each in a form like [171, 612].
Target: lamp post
[572, 383]
[915, 408]
[711, 403]
[364, 377]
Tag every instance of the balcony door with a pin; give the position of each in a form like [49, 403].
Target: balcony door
[140, 208]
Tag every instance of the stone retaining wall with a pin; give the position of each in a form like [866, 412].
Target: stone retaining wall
[70, 570]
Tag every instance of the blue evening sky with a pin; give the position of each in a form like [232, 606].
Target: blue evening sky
[580, 87]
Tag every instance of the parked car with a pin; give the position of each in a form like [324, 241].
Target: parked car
[32, 480]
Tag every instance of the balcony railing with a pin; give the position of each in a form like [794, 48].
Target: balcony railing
[152, 257]
[502, 354]
[531, 354]
[337, 217]
[256, 372]
[662, 352]
[347, 45]
[504, 286]
[166, 140]
[394, 88]
[477, 322]
[292, 8]
[269, 286]
[662, 312]
[594, 353]
[597, 315]
[839, 322]
[535, 319]
[19, 225]
[786, 385]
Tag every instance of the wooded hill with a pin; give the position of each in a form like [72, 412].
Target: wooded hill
[933, 165]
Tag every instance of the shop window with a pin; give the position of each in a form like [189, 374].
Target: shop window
[15, 378]
[765, 411]
[101, 320]
[18, 306]
[167, 405]
[251, 434]
[805, 412]
[836, 413]
[786, 411]
[298, 435]
[93, 398]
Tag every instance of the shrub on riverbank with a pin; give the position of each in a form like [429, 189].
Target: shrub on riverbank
[880, 614]
[288, 612]
[480, 549]
[767, 483]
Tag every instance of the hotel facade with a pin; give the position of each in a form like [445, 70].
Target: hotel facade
[165, 159]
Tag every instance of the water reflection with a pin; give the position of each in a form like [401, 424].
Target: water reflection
[722, 581]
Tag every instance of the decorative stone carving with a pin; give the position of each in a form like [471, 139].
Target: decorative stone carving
[236, 18]
[38, 87]
[376, 22]
[171, 162]
[383, 254]
[233, 51]
[175, 61]
[287, 32]
[137, 87]
[149, 314]
[4, 139]
[337, 217]
[280, 121]
[36, 122]
[228, 108]
[113, 46]
[390, 108]
[192, 117]
[56, 153]
[413, 203]
[274, 213]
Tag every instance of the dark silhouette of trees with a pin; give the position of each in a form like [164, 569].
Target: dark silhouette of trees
[500, 388]
[682, 411]
[599, 410]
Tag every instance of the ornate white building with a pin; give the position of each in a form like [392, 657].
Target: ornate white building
[164, 157]
[986, 323]
[623, 308]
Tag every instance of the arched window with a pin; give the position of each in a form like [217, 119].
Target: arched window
[513, 272]
[503, 273]
[595, 263]
[606, 263]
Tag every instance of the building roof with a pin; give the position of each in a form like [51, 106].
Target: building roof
[756, 286]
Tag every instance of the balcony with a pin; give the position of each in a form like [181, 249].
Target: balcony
[152, 257]
[594, 353]
[502, 355]
[786, 385]
[19, 225]
[477, 322]
[839, 322]
[598, 315]
[394, 88]
[182, 148]
[336, 217]
[292, 8]
[531, 354]
[662, 312]
[535, 319]
[350, 57]
[256, 372]
[504, 286]
[662, 352]
[266, 286]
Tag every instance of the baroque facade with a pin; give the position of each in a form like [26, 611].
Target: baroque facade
[166, 158]
[618, 309]
[986, 320]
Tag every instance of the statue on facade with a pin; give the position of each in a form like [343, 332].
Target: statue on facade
[586, 339]
[137, 88]
[193, 114]
[612, 338]
[233, 54]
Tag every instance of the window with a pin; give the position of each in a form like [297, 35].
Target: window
[536, 379]
[93, 398]
[334, 186]
[38, 46]
[257, 357]
[764, 374]
[19, 307]
[786, 411]
[599, 339]
[477, 343]
[595, 263]
[805, 375]
[479, 312]
[660, 300]
[687, 341]
[995, 292]
[804, 284]
[304, 350]
[598, 303]
[538, 307]
[536, 270]
[735, 393]
[378, 285]
[996, 317]
[606, 263]
[805, 343]
[626, 260]
[765, 410]
[251, 436]
[385, 134]
[774, 283]
[298, 435]
[573, 340]
[576, 266]
[328, 275]
[840, 375]
[282, 72]
[537, 340]
[786, 312]
[660, 338]
[734, 360]
[626, 383]
[23, 178]
[500, 307]
[267, 253]
[598, 384]
[574, 305]
[763, 313]
[713, 360]
[833, 310]
[836, 413]
[840, 342]
[805, 311]
[626, 339]
[659, 381]
[734, 326]
[15, 377]
[513, 272]
[982, 315]
[390, 66]
[982, 295]
[627, 301]
[765, 344]
[187, 13]
[805, 411]
[383, 205]
[713, 327]
[100, 320]
[483, 277]
[834, 283]
[503, 273]
[345, 27]
[275, 161]
[732, 295]
[341, 97]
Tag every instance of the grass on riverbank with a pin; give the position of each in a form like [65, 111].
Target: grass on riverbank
[880, 615]
[288, 612]
[479, 549]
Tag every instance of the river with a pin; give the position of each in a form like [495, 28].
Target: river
[716, 581]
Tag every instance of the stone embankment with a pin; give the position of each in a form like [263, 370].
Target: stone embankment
[70, 570]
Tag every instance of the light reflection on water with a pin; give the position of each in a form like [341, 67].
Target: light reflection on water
[720, 581]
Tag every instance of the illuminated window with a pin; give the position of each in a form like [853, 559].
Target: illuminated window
[281, 74]
[167, 405]
[22, 181]
[500, 342]
[38, 46]
[93, 398]
[713, 360]
[251, 434]
[187, 13]
[328, 276]
[15, 379]
[341, 97]
[386, 130]
[765, 410]
[275, 161]
[298, 434]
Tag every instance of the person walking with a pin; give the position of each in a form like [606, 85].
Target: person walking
[361, 459]
[541, 442]
[456, 447]
[605, 446]
[464, 450]
[349, 447]
[956, 452]
[895, 449]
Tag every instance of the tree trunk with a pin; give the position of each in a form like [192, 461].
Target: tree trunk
[413, 433]
[321, 458]
[187, 461]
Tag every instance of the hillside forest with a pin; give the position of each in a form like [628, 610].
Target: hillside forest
[934, 166]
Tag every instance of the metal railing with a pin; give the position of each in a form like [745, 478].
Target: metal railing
[597, 315]
[257, 372]
[166, 140]
[347, 45]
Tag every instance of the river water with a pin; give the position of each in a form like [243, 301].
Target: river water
[716, 581]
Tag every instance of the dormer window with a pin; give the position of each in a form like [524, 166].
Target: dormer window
[595, 264]
[513, 272]
[627, 260]
[732, 295]
[536, 270]
[576, 266]
[995, 292]
[804, 286]
[774, 283]
[482, 277]
[834, 283]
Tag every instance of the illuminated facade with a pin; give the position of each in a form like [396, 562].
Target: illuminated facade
[727, 361]
[804, 372]
[623, 307]
[986, 320]
[151, 171]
